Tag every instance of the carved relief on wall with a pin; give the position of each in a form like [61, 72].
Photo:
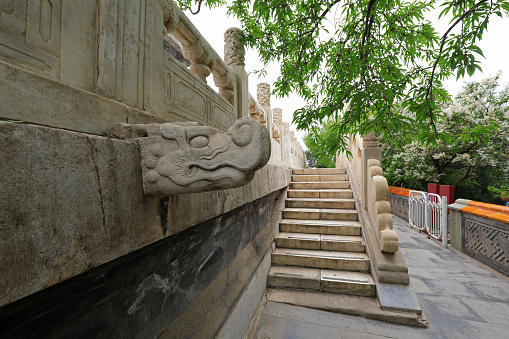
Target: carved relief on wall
[30, 34]
[221, 117]
[190, 100]
[488, 241]
[185, 157]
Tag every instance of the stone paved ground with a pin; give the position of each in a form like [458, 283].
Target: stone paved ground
[460, 297]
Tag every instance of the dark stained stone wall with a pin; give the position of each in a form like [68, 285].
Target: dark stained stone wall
[141, 294]
[399, 205]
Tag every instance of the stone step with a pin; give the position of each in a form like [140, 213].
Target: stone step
[313, 178]
[320, 185]
[314, 171]
[334, 260]
[315, 279]
[366, 307]
[320, 203]
[346, 243]
[320, 213]
[321, 193]
[335, 227]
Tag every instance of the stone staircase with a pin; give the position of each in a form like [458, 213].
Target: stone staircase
[320, 259]
[320, 245]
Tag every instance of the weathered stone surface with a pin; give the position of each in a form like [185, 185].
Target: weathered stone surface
[32, 98]
[185, 158]
[186, 283]
[70, 202]
[399, 205]
[321, 259]
[234, 50]
[73, 201]
[321, 226]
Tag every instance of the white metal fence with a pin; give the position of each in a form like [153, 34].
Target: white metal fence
[428, 213]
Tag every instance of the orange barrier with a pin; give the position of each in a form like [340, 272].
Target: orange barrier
[482, 209]
[490, 211]
[399, 191]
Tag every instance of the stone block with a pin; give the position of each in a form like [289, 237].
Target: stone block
[294, 277]
[32, 98]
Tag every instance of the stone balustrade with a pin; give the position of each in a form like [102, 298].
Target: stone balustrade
[371, 192]
[285, 149]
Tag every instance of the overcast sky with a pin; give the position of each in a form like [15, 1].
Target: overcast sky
[213, 23]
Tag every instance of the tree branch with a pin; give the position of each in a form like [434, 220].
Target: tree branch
[467, 175]
[444, 37]
[198, 10]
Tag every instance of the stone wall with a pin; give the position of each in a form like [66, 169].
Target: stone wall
[184, 285]
[399, 205]
[486, 240]
[84, 252]
[481, 230]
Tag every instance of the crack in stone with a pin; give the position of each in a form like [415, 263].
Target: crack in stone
[93, 154]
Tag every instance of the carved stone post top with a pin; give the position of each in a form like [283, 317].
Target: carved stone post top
[234, 51]
[286, 128]
[186, 158]
[277, 116]
[370, 140]
[263, 94]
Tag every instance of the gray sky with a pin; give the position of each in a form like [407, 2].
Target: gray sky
[213, 23]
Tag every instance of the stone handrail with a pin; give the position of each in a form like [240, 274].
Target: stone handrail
[371, 193]
[204, 59]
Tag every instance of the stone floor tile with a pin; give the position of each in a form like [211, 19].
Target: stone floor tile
[419, 272]
[303, 330]
[491, 312]
[419, 253]
[347, 334]
[391, 330]
[420, 262]
[406, 240]
[419, 286]
[490, 293]
[271, 327]
[448, 327]
[449, 288]
[491, 331]
[446, 306]
[315, 316]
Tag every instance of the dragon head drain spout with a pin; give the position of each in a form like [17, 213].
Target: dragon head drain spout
[186, 158]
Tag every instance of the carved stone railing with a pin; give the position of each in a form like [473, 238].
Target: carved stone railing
[286, 150]
[256, 111]
[371, 193]
[204, 60]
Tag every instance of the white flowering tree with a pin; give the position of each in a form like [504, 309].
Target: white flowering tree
[479, 106]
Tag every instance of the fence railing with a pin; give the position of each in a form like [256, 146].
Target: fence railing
[417, 210]
[428, 213]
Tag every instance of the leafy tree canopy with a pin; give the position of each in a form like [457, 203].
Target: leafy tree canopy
[358, 56]
[469, 164]
[472, 165]
[317, 155]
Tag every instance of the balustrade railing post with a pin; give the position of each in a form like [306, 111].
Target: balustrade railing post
[443, 222]
[371, 150]
[234, 56]
[286, 142]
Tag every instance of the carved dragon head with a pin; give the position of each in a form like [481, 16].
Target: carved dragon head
[186, 159]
